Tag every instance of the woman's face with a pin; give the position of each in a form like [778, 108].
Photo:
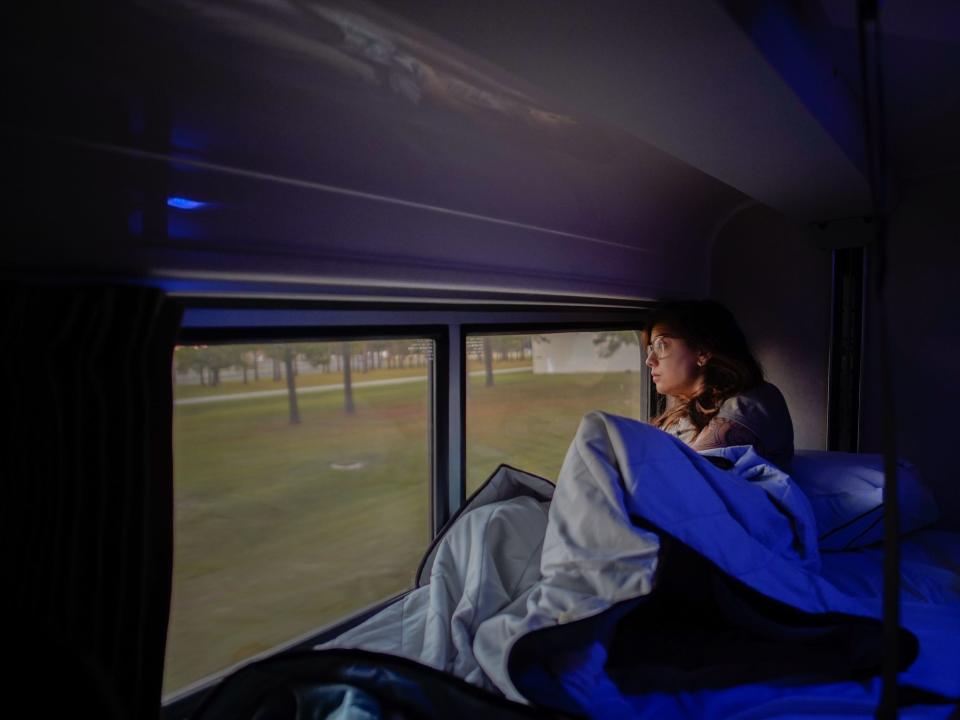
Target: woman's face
[677, 368]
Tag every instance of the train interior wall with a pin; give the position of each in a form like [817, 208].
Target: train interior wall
[767, 269]
[778, 286]
[924, 339]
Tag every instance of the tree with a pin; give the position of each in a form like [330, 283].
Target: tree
[285, 356]
[275, 353]
[247, 356]
[510, 347]
[221, 357]
[488, 359]
[208, 361]
[502, 346]
[348, 405]
[317, 354]
[289, 355]
[377, 348]
[396, 351]
[189, 358]
[364, 360]
[608, 342]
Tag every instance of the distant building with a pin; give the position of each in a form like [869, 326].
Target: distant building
[577, 353]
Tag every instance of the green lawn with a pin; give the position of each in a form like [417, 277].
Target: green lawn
[528, 420]
[273, 540]
[232, 385]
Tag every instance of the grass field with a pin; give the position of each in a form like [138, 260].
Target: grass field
[284, 528]
[309, 379]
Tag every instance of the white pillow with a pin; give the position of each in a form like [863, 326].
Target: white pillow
[846, 492]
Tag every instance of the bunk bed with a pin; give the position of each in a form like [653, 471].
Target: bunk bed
[653, 582]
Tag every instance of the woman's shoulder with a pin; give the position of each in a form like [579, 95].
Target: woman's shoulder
[764, 393]
[766, 396]
[762, 410]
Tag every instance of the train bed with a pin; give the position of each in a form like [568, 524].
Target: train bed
[650, 583]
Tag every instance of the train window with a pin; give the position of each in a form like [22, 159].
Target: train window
[302, 479]
[527, 393]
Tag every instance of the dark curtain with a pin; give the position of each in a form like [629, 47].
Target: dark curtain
[87, 507]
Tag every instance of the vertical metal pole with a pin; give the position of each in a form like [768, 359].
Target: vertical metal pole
[832, 388]
[864, 306]
[448, 410]
[647, 390]
[432, 425]
[870, 37]
[456, 421]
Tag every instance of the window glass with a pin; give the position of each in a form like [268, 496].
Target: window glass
[301, 491]
[526, 395]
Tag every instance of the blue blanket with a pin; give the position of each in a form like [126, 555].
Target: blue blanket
[737, 588]
[653, 584]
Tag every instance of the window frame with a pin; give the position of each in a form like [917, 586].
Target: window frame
[448, 323]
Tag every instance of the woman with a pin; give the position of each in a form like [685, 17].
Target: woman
[716, 394]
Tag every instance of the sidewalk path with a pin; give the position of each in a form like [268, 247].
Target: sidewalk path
[326, 388]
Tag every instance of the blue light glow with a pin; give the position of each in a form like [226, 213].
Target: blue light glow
[182, 203]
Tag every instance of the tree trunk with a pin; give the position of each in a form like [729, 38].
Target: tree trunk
[276, 370]
[256, 367]
[347, 380]
[488, 360]
[291, 387]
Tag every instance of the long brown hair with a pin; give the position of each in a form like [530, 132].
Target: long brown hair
[708, 327]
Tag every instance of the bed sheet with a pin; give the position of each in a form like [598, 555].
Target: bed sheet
[930, 599]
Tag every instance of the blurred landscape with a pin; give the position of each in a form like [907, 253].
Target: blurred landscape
[288, 521]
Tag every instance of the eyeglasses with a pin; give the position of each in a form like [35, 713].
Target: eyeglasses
[659, 347]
